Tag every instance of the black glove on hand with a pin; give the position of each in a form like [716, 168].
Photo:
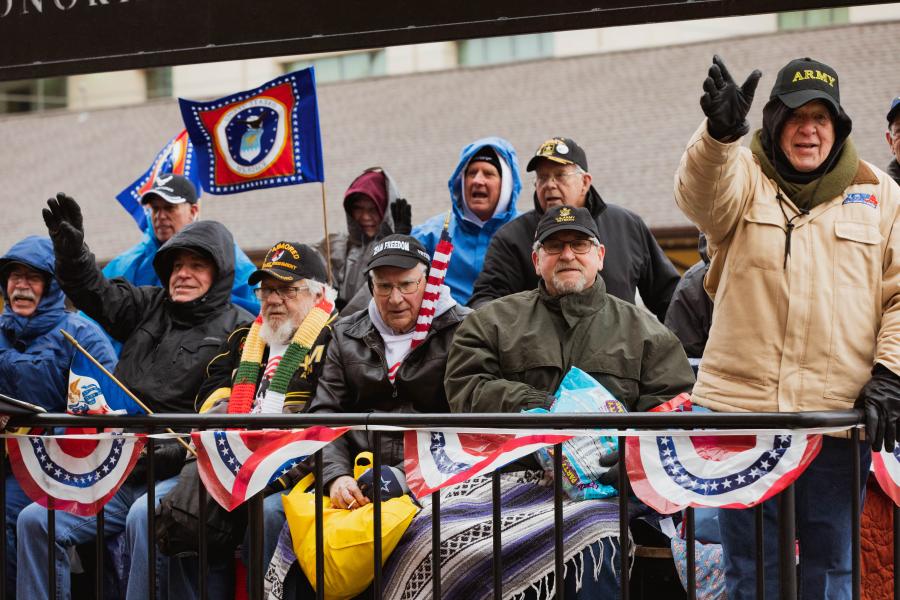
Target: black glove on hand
[401, 212]
[880, 401]
[725, 104]
[611, 477]
[65, 225]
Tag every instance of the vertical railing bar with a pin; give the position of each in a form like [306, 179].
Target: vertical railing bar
[320, 529]
[51, 549]
[99, 554]
[257, 568]
[203, 558]
[376, 525]
[624, 541]
[151, 517]
[558, 522]
[854, 511]
[760, 552]
[787, 571]
[496, 536]
[436, 544]
[3, 519]
[896, 552]
[691, 567]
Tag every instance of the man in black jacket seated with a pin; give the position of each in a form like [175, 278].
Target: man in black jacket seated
[369, 365]
[168, 335]
[561, 177]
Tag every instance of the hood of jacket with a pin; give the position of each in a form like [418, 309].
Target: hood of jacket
[360, 185]
[37, 253]
[593, 202]
[210, 239]
[510, 186]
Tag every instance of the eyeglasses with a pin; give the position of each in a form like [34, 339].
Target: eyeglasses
[580, 246]
[558, 178]
[386, 289]
[29, 278]
[285, 293]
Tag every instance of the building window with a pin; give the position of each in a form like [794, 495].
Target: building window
[340, 67]
[159, 82]
[32, 95]
[803, 19]
[491, 51]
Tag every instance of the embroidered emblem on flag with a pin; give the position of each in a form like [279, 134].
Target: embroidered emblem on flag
[260, 138]
[176, 157]
[235, 465]
[436, 459]
[669, 473]
[887, 471]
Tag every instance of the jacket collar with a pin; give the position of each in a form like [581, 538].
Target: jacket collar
[574, 307]
[362, 326]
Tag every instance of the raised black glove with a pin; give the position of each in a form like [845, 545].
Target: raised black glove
[611, 477]
[880, 401]
[65, 224]
[725, 104]
[401, 213]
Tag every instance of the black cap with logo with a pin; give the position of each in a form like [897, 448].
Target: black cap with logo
[894, 110]
[559, 150]
[566, 218]
[290, 261]
[401, 251]
[174, 189]
[803, 80]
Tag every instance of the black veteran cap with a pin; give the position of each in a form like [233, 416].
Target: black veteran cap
[401, 251]
[290, 261]
[560, 150]
[566, 218]
[174, 189]
[894, 110]
[805, 79]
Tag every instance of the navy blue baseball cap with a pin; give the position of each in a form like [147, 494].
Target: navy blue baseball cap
[894, 110]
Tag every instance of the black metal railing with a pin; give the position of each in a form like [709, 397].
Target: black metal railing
[621, 421]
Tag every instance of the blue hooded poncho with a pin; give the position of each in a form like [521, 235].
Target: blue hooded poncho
[34, 356]
[471, 239]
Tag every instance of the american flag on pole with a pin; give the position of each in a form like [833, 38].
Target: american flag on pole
[439, 262]
[887, 471]
[437, 459]
[235, 465]
[176, 157]
[79, 474]
[669, 473]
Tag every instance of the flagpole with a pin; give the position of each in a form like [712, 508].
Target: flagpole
[327, 240]
[79, 347]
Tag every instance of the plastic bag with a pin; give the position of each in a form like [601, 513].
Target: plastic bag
[580, 393]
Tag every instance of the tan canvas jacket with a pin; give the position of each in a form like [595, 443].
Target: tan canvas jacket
[802, 336]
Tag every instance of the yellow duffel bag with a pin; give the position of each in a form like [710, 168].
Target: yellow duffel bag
[349, 540]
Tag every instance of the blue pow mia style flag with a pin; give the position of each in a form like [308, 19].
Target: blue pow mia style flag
[265, 137]
[176, 157]
[92, 392]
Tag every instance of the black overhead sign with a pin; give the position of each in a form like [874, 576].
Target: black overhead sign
[40, 38]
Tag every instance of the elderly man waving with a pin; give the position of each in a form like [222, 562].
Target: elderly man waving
[806, 283]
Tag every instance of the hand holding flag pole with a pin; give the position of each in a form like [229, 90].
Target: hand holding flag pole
[137, 401]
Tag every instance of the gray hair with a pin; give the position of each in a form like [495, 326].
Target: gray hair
[317, 287]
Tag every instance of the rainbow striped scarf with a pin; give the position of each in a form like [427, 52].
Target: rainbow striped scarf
[245, 381]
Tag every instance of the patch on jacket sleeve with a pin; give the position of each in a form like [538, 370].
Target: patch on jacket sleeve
[859, 198]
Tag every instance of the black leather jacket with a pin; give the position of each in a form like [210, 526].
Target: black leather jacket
[354, 379]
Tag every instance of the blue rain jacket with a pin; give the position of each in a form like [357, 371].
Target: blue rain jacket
[34, 356]
[470, 242]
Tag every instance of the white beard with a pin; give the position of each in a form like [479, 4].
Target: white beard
[280, 335]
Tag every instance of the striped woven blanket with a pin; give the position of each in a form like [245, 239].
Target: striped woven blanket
[527, 536]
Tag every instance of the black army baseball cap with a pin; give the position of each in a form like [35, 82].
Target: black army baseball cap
[559, 150]
[803, 80]
[402, 251]
[289, 262]
[566, 218]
